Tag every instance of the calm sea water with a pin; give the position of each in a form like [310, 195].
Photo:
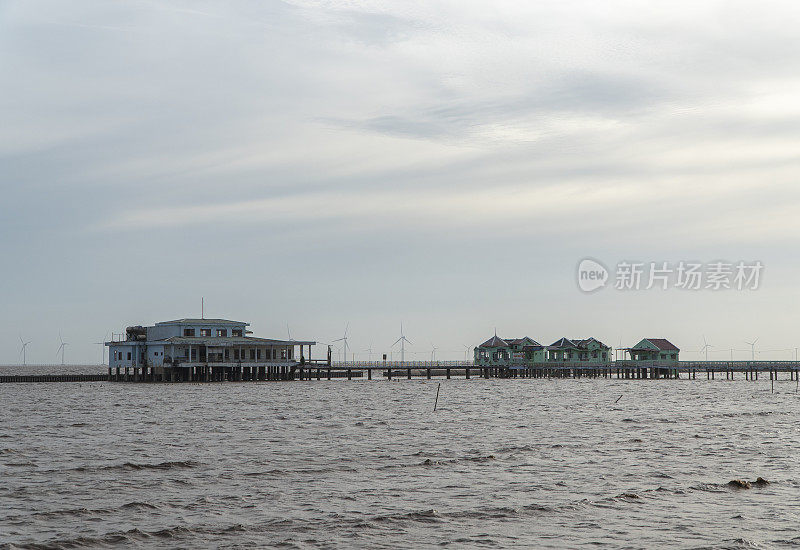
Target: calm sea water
[531, 463]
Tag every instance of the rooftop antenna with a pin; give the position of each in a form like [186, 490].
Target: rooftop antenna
[289, 332]
[202, 307]
[402, 341]
[343, 339]
[705, 347]
[753, 348]
[433, 352]
[22, 350]
[61, 347]
[103, 351]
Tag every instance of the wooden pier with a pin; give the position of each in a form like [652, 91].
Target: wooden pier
[18, 378]
[629, 370]
[321, 370]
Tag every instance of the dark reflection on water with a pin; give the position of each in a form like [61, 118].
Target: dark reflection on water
[544, 463]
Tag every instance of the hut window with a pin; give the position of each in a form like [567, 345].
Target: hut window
[236, 332]
[205, 332]
[222, 332]
[188, 332]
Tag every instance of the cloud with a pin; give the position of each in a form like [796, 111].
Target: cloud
[442, 128]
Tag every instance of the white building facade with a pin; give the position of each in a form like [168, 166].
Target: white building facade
[189, 343]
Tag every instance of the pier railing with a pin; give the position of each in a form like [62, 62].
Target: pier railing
[582, 365]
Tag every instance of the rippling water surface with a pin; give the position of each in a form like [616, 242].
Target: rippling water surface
[537, 463]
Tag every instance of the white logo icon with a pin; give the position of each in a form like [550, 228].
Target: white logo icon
[592, 275]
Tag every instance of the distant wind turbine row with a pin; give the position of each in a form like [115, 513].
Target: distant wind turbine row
[23, 349]
[402, 341]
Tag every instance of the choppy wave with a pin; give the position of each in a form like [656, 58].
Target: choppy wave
[529, 462]
[136, 466]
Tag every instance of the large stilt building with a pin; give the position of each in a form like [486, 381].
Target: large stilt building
[202, 348]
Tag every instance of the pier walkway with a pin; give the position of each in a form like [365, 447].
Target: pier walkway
[321, 370]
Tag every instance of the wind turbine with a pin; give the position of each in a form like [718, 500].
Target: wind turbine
[466, 351]
[402, 341]
[61, 348]
[343, 339]
[753, 347]
[433, 352]
[103, 352]
[22, 350]
[705, 347]
[369, 351]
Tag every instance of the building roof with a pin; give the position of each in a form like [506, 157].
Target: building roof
[575, 343]
[518, 341]
[221, 341]
[563, 343]
[663, 344]
[494, 342]
[190, 321]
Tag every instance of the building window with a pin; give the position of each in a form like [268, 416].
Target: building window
[252, 355]
[227, 354]
[236, 354]
[236, 332]
[258, 354]
[205, 332]
[188, 332]
[222, 332]
[129, 356]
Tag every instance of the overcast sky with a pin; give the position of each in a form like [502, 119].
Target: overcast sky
[443, 164]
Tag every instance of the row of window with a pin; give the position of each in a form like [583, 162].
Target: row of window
[581, 355]
[220, 332]
[254, 354]
[242, 355]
